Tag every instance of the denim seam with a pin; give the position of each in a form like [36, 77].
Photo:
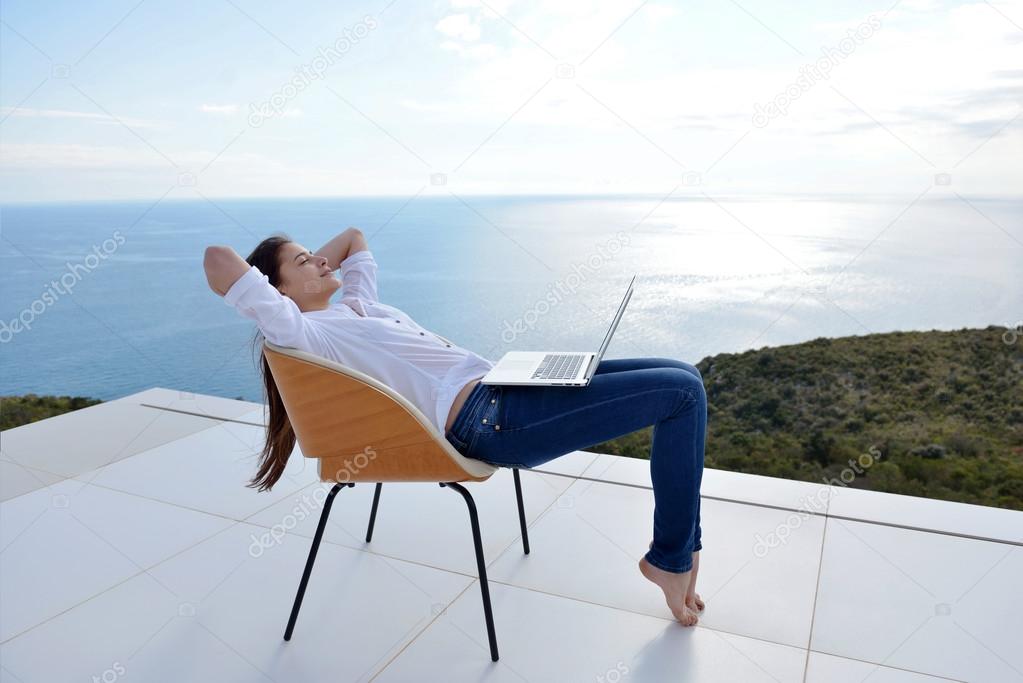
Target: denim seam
[462, 442]
[688, 393]
[665, 568]
[468, 410]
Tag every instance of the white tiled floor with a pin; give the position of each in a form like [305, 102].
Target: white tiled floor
[85, 439]
[65, 543]
[764, 491]
[198, 404]
[605, 529]
[978, 521]
[438, 535]
[545, 637]
[932, 603]
[206, 471]
[154, 562]
[822, 668]
[17, 479]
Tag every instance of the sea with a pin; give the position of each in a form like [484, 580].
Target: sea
[108, 298]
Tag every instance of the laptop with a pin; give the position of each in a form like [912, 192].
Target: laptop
[554, 368]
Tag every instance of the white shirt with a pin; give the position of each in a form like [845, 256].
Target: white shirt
[363, 333]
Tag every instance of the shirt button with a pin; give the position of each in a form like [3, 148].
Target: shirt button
[497, 427]
[397, 321]
[447, 345]
[484, 420]
[421, 333]
[493, 400]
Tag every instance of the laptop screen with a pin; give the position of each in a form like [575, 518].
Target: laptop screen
[614, 323]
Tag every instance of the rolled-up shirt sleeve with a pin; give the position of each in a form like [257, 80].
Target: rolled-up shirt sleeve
[277, 316]
[359, 276]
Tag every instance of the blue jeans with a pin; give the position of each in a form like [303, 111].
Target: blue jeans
[523, 426]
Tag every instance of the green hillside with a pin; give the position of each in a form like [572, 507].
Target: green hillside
[944, 410]
[939, 413]
[18, 410]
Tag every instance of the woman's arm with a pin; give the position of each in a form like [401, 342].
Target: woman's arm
[341, 246]
[223, 267]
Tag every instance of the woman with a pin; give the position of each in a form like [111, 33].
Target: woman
[286, 290]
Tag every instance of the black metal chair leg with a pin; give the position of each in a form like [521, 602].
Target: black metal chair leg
[522, 511]
[312, 557]
[481, 565]
[373, 512]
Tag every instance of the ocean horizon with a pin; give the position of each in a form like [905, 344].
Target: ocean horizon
[107, 298]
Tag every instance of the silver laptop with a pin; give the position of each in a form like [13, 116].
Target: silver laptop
[554, 368]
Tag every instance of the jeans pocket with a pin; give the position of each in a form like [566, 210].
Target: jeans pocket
[489, 416]
[456, 442]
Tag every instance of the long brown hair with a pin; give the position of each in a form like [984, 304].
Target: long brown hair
[280, 437]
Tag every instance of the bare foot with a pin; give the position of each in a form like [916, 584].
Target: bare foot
[693, 600]
[674, 586]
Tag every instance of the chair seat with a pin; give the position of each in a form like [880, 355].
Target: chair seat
[360, 429]
[410, 466]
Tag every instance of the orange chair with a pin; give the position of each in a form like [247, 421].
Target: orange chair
[338, 412]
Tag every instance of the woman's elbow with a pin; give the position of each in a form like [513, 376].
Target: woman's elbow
[215, 253]
[214, 260]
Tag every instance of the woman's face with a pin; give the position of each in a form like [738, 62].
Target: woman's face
[305, 278]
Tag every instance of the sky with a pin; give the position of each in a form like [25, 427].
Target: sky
[251, 98]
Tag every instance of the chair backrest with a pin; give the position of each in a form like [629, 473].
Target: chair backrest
[359, 428]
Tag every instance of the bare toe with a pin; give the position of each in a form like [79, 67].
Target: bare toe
[686, 616]
[693, 600]
[675, 587]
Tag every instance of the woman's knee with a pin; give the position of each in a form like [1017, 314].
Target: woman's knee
[690, 385]
[681, 364]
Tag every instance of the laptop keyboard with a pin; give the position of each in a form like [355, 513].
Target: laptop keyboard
[558, 366]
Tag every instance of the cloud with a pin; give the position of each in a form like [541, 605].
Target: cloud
[658, 12]
[477, 51]
[941, 78]
[459, 26]
[416, 105]
[28, 112]
[706, 122]
[219, 108]
[53, 156]
[497, 5]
